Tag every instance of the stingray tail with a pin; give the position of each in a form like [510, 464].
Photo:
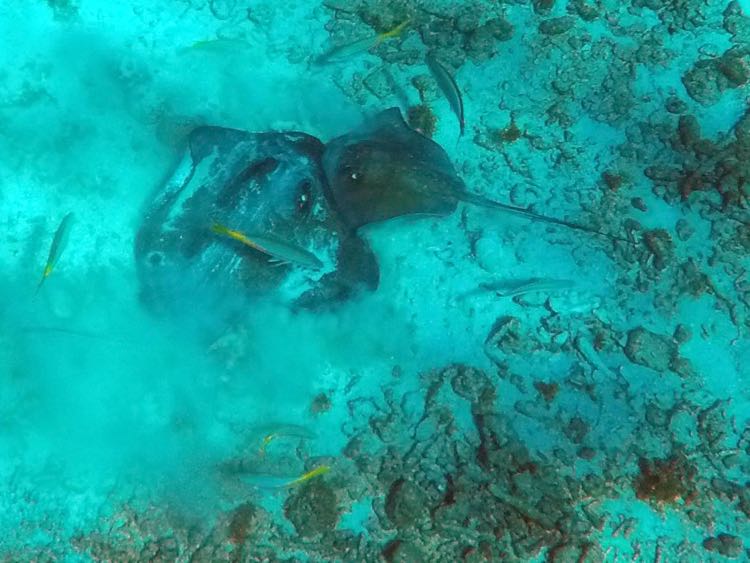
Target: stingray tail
[523, 212]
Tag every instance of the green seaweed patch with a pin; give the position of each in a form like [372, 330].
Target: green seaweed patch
[423, 119]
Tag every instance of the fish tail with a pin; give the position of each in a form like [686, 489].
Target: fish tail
[45, 274]
[294, 482]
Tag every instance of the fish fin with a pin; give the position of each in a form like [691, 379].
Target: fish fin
[45, 275]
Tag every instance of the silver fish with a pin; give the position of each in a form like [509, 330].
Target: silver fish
[448, 86]
[513, 287]
[510, 288]
[286, 252]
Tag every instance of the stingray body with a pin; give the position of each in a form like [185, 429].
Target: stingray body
[386, 169]
[269, 184]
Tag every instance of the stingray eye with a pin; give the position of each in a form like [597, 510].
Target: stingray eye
[304, 199]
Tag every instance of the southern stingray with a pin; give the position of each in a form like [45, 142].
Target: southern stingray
[386, 169]
[270, 184]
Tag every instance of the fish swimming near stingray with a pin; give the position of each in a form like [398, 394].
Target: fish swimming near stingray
[514, 287]
[349, 50]
[318, 471]
[216, 45]
[262, 481]
[277, 249]
[448, 86]
[59, 241]
[386, 169]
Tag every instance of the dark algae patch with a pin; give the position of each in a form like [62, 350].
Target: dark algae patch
[422, 119]
[664, 481]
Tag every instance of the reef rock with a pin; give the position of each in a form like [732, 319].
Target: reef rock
[313, 508]
[651, 350]
[725, 544]
[405, 504]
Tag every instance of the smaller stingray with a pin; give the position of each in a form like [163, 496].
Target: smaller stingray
[385, 169]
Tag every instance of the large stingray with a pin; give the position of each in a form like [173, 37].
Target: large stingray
[267, 184]
[386, 169]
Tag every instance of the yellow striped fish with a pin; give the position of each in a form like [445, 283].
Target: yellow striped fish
[278, 249]
[59, 242]
[349, 50]
[262, 481]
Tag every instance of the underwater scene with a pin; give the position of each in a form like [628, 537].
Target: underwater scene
[370, 280]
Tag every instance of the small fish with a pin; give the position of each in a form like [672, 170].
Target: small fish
[58, 245]
[271, 432]
[513, 287]
[263, 481]
[349, 50]
[218, 45]
[55, 330]
[320, 470]
[276, 249]
[448, 86]
[510, 288]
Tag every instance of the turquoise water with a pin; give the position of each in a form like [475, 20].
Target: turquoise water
[512, 390]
